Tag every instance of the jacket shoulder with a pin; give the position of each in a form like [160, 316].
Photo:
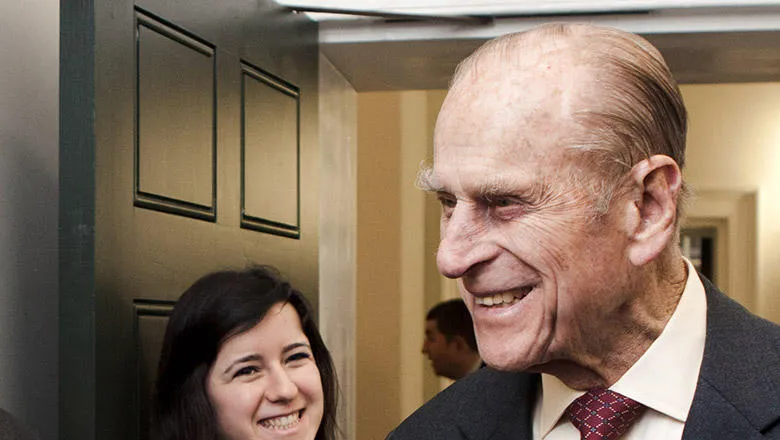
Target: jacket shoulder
[476, 400]
[739, 380]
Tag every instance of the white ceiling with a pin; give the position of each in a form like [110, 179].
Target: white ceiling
[515, 7]
[704, 41]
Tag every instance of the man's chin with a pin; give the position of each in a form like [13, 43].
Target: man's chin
[499, 358]
[503, 364]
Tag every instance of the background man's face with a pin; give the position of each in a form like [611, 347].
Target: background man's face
[438, 349]
[536, 271]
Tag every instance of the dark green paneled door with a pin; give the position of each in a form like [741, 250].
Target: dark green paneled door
[188, 144]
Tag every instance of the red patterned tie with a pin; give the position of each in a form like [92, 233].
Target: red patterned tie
[603, 414]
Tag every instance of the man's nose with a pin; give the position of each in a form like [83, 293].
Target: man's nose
[462, 245]
[280, 388]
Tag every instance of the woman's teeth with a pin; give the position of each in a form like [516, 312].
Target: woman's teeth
[282, 422]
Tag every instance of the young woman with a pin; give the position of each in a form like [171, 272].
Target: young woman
[243, 359]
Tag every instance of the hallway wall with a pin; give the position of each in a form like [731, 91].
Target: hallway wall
[396, 278]
[734, 145]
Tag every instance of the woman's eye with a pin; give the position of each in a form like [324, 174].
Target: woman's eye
[246, 371]
[298, 357]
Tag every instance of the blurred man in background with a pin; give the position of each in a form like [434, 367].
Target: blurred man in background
[449, 340]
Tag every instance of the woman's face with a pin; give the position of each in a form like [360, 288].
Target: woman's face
[265, 384]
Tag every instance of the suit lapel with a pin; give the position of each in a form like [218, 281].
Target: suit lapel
[738, 373]
[712, 416]
[501, 408]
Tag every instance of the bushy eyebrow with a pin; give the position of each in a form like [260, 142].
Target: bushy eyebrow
[426, 180]
[495, 188]
[491, 189]
[537, 192]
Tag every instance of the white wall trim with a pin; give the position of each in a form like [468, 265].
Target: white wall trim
[738, 245]
[338, 234]
[692, 20]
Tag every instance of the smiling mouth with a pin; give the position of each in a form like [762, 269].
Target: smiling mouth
[282, 422]
[503, 299]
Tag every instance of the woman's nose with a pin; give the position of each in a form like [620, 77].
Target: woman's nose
[281, 387]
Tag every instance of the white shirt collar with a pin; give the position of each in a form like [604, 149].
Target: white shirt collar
[665, 376]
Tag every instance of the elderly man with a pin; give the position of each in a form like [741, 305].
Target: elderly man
[558, 157]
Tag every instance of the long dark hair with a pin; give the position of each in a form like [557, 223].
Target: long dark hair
[218, 306]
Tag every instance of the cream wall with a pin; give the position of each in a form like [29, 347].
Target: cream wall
[734, 145]
[732, 150]
[378, 265]
[396, 274]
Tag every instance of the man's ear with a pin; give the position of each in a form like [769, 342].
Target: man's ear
[460, 342]
[652, 218]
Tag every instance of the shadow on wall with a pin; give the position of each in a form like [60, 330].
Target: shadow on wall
[29, 198]
[28, 282]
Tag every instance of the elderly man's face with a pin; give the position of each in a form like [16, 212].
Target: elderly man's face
[535, 268]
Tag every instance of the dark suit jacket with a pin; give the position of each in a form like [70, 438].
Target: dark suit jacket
[737, 396]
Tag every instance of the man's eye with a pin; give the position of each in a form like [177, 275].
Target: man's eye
[447, 202]
[507, 207]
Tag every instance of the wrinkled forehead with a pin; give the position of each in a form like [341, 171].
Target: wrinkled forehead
[519, 55]
[508, 112]
[535, 72]
[502, 100]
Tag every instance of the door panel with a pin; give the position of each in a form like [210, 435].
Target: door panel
[150, 320]
[269, 148]
[175, 120]
[205, 158]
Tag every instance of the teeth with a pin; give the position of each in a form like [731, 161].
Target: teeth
[282, 422]
[498, 299]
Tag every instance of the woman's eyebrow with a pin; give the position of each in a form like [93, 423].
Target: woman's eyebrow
[257, 357]
[295, 345]
[247, 358]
